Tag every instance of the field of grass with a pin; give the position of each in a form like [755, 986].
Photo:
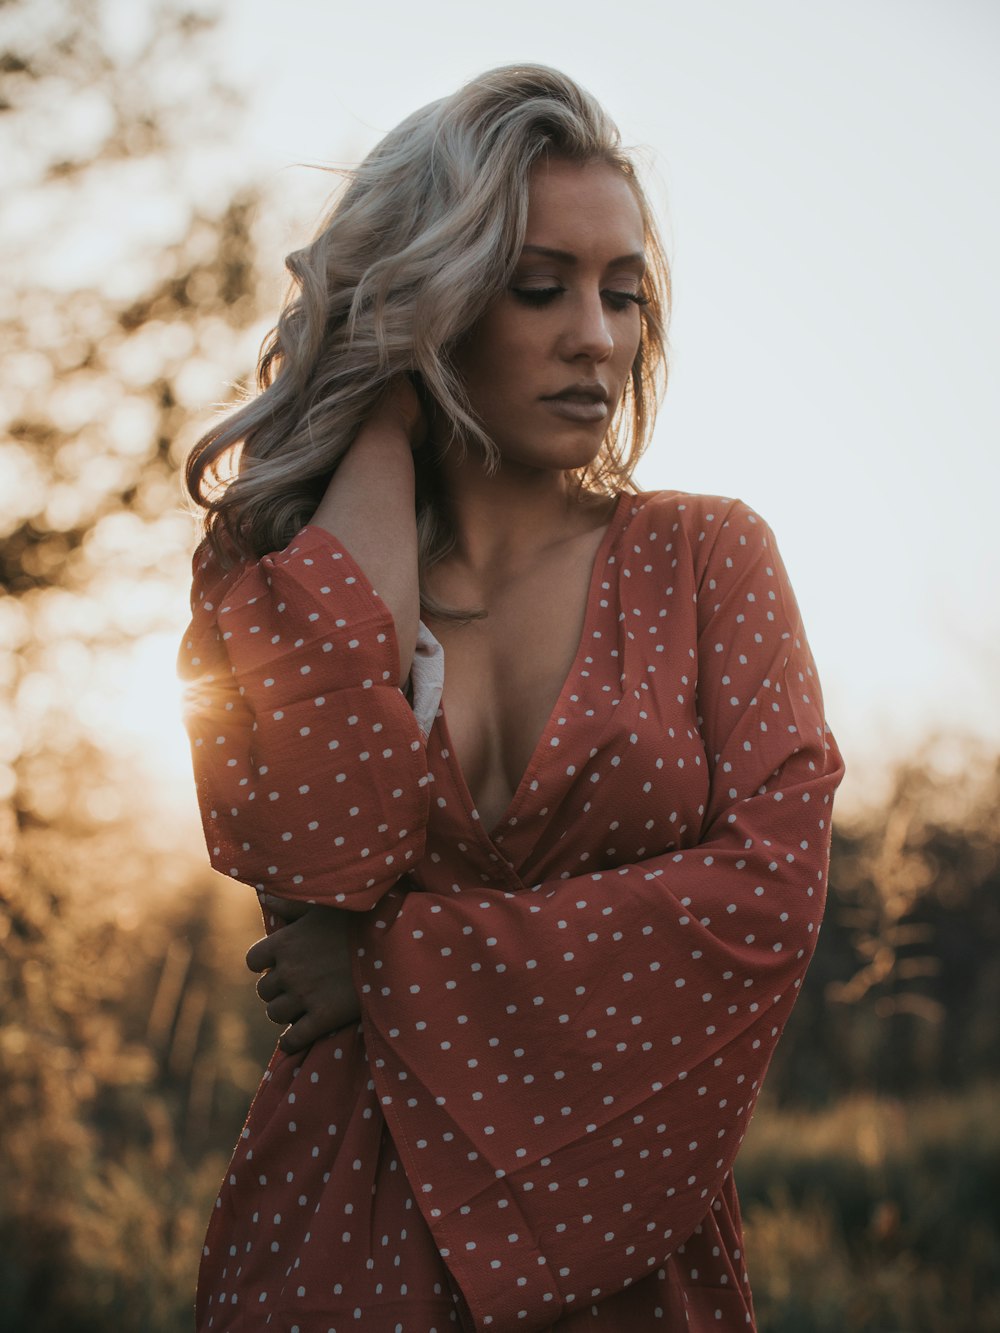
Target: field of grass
[875, 1215]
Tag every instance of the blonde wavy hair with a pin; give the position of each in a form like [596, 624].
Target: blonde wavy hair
[421, 240]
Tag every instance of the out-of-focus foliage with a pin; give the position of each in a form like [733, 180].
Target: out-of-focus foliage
[124, 1073]
[877, 1215]
[903, 994]
[131, 297]
[130, 294]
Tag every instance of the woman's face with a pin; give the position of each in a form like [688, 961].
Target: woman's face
[546, 365]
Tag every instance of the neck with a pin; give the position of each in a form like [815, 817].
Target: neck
[503, 521]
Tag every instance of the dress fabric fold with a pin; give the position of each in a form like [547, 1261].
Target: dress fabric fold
[566, 1019]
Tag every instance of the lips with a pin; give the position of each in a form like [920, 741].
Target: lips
[580, 393]
[580, 402]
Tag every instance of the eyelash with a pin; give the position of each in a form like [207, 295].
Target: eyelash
[538, 296]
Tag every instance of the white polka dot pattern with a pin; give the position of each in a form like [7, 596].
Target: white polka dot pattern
[567, 1019]
[311, 768]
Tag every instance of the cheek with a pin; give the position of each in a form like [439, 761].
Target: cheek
[480, 356]
[505, 364]
[629, 351]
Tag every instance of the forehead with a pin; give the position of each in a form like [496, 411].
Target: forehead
[574, 206]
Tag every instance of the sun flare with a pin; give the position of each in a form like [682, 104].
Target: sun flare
[138, 710]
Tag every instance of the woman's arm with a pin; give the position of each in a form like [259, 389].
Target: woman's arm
[307, 984]
[310, 765]
[370, 506]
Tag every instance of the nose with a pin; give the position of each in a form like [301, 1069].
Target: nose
[587, 332]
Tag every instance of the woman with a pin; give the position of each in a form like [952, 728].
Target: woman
[533, 951]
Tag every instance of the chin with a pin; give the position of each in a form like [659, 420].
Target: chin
[554, 455]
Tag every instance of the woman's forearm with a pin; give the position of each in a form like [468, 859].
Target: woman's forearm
[369, 505]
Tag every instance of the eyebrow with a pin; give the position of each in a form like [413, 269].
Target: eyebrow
[566, 257]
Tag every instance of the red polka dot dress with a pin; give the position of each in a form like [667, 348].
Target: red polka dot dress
[567, 1018]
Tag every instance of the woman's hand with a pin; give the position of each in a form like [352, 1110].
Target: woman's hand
[307, 984]
[399, 409]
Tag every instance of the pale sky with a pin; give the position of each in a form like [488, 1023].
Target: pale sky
[827, 179]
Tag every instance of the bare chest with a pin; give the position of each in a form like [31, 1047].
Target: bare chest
[504, 674]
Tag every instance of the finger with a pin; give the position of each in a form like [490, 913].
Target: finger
[302, 1033]
[310, 1027]
[283, 908]
[283, 1010]
[269, 986]
[261, 955]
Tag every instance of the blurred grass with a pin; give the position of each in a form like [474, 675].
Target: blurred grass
[126, 1067]
[876, 1214]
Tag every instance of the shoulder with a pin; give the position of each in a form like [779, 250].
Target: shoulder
[698, 521]
[717, 549]
[689, 509]
[215, 568]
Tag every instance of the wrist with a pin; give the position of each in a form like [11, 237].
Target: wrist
[380, 456]
[386, 430]
[398, 417]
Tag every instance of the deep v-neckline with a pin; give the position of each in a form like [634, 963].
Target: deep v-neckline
[542, 744]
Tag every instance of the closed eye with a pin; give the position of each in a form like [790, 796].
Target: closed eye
[539, 296]
[622, 300]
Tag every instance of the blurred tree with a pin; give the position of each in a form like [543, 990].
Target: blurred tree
[130, 278]
[130, 264]
[121, 1087]
[903, 994]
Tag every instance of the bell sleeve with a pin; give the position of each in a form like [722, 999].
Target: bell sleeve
[310, 765]
[569, 1070]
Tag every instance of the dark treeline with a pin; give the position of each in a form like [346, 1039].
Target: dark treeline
[903, 994]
